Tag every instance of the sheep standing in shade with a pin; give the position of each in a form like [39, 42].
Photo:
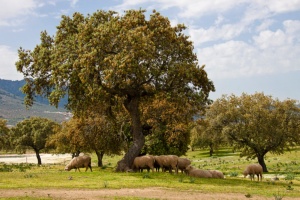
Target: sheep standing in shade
[183, 163]
[143, 162]
[199, 173]
[252, 170]
[166, 162]
[216, 174]
[80, 162]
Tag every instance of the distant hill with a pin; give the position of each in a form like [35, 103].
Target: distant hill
[12, 106]
[14, 87]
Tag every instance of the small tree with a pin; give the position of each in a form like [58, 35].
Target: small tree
[256, 124]
[170, 126]
[205, 134]
[33, 133]
[93, 133]
[4, 135]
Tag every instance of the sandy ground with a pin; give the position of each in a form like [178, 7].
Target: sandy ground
[149, 193]
[31, 158]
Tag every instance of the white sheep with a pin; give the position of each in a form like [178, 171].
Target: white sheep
[252, 170]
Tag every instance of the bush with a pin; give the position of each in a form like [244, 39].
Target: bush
[233, 174]
[290, 176]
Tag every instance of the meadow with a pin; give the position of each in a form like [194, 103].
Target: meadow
[284, 168]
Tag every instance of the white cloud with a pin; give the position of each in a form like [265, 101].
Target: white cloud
[188, 8]
[289, 36]
[258, 10]
[279, 6]
[7, 64]
[12, 11]
[239, 59]
[73, 3]
[214, 33]
[264, 25]
[269, 39]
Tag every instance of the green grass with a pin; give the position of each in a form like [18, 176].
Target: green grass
[53, 176]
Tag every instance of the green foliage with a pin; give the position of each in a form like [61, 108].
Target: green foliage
[122, 63]
[290, 176]
[255, 124]
[233, 174]
[4, 135]
[15, 167]
[33, 133]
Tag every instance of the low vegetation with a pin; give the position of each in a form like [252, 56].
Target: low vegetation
[282, 180]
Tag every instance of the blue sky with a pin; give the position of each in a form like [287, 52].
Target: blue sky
[247, 45]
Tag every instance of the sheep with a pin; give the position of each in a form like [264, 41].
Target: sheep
[157, 162]
[183, 163]
[216, 174]
[200, 173]
[167, 162]
[79, 162]
[143, 162]
[252, 170]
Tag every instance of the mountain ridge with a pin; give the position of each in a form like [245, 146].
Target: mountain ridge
[13, 109]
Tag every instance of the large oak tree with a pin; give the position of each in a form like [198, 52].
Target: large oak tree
[256, 124]
[107, 58]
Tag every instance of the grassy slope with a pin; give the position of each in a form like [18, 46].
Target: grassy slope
[12, 109]
[53, 176]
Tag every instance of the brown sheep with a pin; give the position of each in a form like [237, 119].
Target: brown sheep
[199, 173]
[167, 162]
[252, 170]
[216, 174]
[183, 163]
[79, 162]
[143, 162]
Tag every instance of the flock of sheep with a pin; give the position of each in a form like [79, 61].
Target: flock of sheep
[167, 162]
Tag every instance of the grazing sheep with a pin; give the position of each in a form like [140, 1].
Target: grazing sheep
[157, 162]
[166, 162]
[252, 170]
[183, 163]
[79, 162]
[216, 174]
[199, 173]
[143, 162]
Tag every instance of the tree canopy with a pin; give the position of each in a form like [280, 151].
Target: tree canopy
[116, 61]
[256, 124]
[92, 134]
[33, 133]
[4, 135]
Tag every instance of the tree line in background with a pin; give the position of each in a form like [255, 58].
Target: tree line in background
[134, 85]
[251, 124]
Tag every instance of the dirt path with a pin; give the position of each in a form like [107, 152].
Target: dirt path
[149, 193]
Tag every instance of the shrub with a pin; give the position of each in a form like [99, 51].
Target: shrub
[233, 174]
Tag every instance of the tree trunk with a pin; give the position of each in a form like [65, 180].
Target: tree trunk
[261, 161]
[37, 153]
[75, 154]
[132, 106]
[211, 150]
[100, 155]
